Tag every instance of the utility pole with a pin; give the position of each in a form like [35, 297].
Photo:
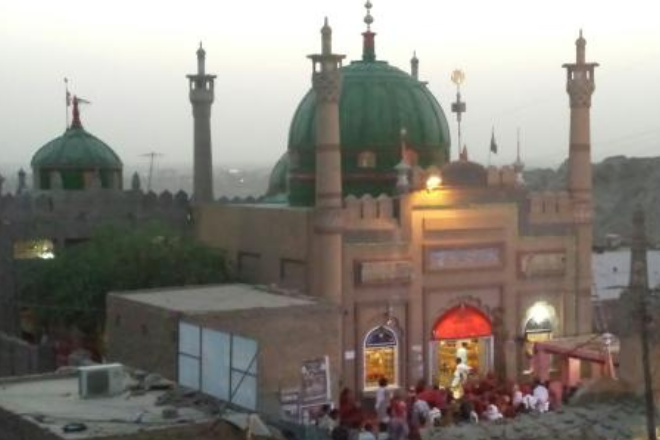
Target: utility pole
[639, 286]
[152, 157]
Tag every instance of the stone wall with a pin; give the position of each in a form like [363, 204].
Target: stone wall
[18, 358]
[72, 216]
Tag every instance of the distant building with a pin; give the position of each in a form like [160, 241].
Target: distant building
[76, 188]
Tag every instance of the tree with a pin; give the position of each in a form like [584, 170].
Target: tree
[71, 288]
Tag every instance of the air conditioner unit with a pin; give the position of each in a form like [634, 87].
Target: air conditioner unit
[101, 380]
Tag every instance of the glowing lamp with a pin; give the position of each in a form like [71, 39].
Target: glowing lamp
[433, 183]
[539, 313]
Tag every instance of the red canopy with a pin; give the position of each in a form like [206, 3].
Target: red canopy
[462, 322]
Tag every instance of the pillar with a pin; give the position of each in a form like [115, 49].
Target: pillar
[580, 85]
[327, 247]
[201, 98]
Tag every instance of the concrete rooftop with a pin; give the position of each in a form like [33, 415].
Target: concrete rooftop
[52, 402]
[216, 298]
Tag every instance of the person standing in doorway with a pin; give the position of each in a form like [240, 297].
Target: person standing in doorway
[462, 352]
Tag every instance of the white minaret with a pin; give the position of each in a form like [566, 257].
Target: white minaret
[201, 98]
[580, 85]
[326, 80]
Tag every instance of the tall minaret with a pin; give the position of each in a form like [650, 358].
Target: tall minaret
[201, 98]
[326, 80]
[580, 86]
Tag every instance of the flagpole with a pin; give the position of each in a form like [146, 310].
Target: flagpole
[66, 103]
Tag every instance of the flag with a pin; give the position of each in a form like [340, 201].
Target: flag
[68, 94]
[83, 101]
[493, 144]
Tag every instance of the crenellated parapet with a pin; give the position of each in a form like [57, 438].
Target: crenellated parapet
[368, 212]
[224, 200]
[66, 214]
[550, 208]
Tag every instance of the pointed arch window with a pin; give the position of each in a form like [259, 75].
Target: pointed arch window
[381, 357]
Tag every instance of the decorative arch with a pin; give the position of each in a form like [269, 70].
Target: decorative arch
[539, 325]
[462, 322]
[540, 317]
[381, 356]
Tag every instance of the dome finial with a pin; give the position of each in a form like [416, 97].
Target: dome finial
[368, 45]
[75, 123]
[368, 19]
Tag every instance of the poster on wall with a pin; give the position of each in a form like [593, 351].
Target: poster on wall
[290, 404]
[315, 389]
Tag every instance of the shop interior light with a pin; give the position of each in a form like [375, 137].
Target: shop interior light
[433, 182]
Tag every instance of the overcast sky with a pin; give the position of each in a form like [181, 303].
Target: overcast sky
[130, 59]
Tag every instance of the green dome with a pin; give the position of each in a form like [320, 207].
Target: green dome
[75, 155]
[377, 101]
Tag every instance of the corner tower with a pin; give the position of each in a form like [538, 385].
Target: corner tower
[201, 98]
[326, 81]
[580, 85]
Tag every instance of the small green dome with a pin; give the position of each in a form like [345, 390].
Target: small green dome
[76, 148]
[76, 155]
[377, 101]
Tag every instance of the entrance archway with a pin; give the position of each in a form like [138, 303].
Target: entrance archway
[465, 332]
[381, 357]
[538, 326]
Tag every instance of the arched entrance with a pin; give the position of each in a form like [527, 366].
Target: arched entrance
[538, 326]
[463, 331]
[381, 357]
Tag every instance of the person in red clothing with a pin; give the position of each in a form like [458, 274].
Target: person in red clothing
[350, 413]
[398, 418]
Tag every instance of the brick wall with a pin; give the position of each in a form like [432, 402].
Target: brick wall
[286, 337]
[145, 337]
[141, 336]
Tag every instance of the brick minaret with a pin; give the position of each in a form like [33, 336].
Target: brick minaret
[327, 258]
[201, 98]
[580, 86]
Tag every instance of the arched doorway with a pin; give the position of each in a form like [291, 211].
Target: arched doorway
[538, 326]
[463, 331]
[381, 357]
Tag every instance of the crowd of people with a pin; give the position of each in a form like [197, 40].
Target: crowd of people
[396, 415]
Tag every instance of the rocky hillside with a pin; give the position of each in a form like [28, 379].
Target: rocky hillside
[620, 184]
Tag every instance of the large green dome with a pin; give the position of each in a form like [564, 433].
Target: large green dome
[77, 156]
[377, 101]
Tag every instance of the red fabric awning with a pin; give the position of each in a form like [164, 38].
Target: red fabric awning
[462, 322]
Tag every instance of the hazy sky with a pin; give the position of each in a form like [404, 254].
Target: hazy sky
[130, 59]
